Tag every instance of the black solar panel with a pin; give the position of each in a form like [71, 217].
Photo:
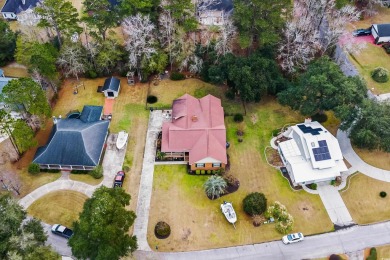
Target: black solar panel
[309, 129]
[321, 153]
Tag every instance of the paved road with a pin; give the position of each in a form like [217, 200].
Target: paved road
[349, 240]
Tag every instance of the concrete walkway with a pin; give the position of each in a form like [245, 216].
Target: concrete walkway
[334, 205]
[357, 163]
[146, 183]
[112, 163]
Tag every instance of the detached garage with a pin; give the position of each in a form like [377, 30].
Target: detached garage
[381, 32]
[111, 87]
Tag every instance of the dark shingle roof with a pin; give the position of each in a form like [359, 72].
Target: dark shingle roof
[91, 114]
[223, 5]
[383, 30]
[74, 142]
[17, 6]
[112, 84]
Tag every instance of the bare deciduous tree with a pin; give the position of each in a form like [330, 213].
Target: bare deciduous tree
[227, 35]
[315, 28]
[167, 32]
[10, 181]
[139, 41]
[71, 60]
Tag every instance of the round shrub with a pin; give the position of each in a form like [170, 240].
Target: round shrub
[313, 186]
[380, 75]
[255, 203]
[33, 168]
[151, 99]
[177, 76]
[126, 168]
[373, 254]
[238, 118]
[335, 257]
[382, 194]
[162, 230]
[97, 173]
[91, 74]
[320, 118]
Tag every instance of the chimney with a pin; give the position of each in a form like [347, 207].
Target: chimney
[194, 118]
[307, 120]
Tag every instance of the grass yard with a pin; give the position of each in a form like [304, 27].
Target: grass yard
[58, 207]
[375, 158]
[197, 222]
[363, 201]
[15, 70]
[85, 178]
[383, 252]
[373, 55]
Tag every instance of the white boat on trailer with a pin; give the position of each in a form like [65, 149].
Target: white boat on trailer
[122, 139]
[228, 211]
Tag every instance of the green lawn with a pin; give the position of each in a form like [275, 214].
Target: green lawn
[363, 201]
[182, 194]
[58, 207]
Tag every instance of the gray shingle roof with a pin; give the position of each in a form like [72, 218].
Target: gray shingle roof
[74, 142]
[91, 114]
[383, 30]
[112, 84]
[17, 6]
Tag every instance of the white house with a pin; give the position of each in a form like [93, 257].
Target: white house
[312, 154]
[381, 32]
[214, 12]
[12, 9]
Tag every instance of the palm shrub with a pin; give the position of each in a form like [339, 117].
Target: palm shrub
[215, 186]
[255, 203]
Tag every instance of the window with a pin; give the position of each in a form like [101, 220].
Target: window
[199, 165]
[216, 165]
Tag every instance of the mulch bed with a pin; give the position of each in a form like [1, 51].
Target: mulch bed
[229, 189]
[287, 176]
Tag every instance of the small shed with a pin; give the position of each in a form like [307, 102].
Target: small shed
[111, 87]
[381, 32]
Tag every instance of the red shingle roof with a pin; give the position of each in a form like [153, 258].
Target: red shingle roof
[197, 127]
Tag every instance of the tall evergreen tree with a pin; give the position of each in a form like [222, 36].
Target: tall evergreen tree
[260, 19]
[60, 15]
[7, 43]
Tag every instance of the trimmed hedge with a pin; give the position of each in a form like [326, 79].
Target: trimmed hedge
[162, 229]
[380, 75]
[33, 168]
[255, 203]
[238, 118]
[151, 99]
[177, 76]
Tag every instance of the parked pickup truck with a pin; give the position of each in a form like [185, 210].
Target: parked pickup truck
[61, 231]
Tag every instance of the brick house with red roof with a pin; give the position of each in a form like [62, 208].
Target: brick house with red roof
[198, 130]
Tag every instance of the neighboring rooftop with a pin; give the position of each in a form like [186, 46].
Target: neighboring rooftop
[3, 82]
[17, 6]
[383, 29]
[219, 5]
[197, 127]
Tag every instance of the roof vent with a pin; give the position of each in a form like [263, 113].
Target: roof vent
[307, 120]
[194, 118]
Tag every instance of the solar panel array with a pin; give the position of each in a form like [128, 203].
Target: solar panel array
[321, 153]
[309, 129]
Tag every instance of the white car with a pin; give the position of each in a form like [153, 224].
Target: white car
[292, 238]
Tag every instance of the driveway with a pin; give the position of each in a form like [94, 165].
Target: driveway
[146, 184]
